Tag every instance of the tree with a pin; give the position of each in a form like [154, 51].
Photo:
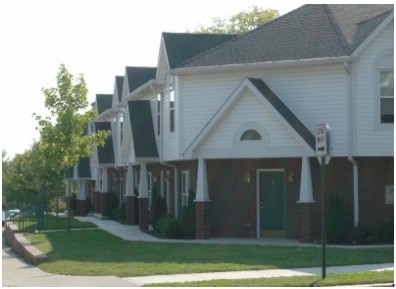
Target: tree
[62, 133]
[240, 22]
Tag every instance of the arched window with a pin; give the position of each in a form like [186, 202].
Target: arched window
[251, 134]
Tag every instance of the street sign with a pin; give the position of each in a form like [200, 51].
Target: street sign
[321, 143]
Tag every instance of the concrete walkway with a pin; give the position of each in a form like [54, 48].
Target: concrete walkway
[140, 281]
[132, 233]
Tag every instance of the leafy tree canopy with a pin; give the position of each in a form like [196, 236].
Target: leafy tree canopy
[63, 140]
[240, 22]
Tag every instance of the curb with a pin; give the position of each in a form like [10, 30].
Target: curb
[22, 246]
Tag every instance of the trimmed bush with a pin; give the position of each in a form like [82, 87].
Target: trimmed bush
[365, 234]
[168, 227]
[337, 220]
[157, 207]
[385, 232]
[187, 220]
[118, 213]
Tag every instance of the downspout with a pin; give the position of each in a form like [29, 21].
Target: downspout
[349, 66]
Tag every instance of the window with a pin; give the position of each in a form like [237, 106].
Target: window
[172, 109]
[386, 96]
[159, 113]
[250, 134]
[185, 187]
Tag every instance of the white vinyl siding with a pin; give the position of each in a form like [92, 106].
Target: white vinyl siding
[314, 94]
[373, 138]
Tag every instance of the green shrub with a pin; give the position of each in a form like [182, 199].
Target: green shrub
[337, 220]
[187, 220]
[118, 213]
[157, 207]
[385, 232]
[365, 234]
[112, 204]
[168, 227]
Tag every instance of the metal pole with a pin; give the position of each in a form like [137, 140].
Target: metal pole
[323, 216]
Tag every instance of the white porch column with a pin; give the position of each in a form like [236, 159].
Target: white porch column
[105, 181]
[306, 195]
[202, 194]
[143, 188]
[130, 182]
[98, 180]
[67, 188]
[80, 190]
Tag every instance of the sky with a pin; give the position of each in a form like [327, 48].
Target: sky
[97, 38]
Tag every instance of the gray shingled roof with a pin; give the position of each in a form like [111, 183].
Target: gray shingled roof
[311, 31]
[104, 102]
[182, 46]
[84, 168]
[137, 76]
[119, 83]
[143, 134]
[106, 152]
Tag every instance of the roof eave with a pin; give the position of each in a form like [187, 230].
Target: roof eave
[259, 65]
[142, 91]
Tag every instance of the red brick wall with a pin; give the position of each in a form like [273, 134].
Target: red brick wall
[233, 206]
[374, 175]
[338, 181]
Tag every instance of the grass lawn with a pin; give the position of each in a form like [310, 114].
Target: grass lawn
[383, 277]
[52, 223]
[96, 252]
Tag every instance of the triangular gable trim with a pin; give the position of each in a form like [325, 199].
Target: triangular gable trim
[264, 93]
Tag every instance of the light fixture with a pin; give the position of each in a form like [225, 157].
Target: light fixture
[290, 177]
[247, 178]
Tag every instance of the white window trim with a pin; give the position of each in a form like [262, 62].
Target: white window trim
[185, 191]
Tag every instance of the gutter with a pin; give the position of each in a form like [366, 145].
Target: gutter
[259, 65]
[150, 86]
[351, 94]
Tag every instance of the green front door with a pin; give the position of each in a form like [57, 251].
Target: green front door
[272, 203]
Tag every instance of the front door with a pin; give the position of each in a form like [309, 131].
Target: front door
[272, 203]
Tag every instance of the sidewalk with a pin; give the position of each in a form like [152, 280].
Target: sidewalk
[140, 281]
[132, 233]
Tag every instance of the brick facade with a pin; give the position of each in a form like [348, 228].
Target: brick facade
[81, 207]
[144, 216]
[306, 222]
[374, 175]
[131, 217]
[97, 202]
[202, 220]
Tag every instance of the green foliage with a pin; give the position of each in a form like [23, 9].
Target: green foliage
[62, 139]
[28, 180]
[168, 227]
[112, 204]
[241, 22]
[187, 220]
[367, 234]
[337, 220]
[157, 207]
[118, 213]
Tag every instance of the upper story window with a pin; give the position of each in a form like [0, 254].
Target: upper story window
[171, 109]
[386, 96]
[251, 134]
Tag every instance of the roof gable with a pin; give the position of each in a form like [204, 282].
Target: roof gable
[103, 102]
[137, 76]
[281, 112]
[106, 152]
[119, 82]
[309, 32]
[142, 127]
[182, 46]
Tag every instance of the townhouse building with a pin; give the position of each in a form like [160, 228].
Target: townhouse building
[233, 118]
